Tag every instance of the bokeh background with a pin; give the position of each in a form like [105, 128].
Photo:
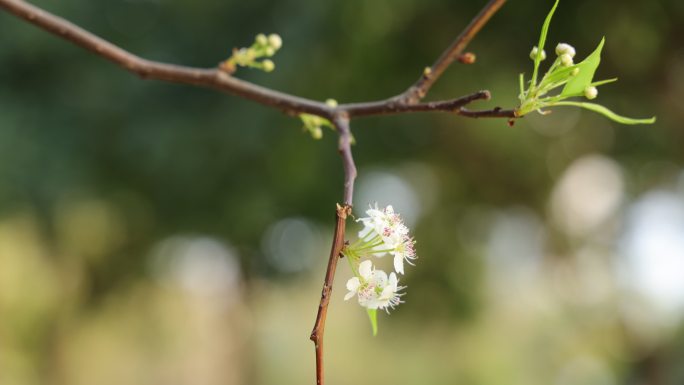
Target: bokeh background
[153, 233]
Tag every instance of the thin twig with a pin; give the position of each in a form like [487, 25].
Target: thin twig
[493, 113]
[418, 91]
[386, 107]
[344, 147]
[342, 123]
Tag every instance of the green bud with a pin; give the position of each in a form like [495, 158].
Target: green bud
[331, 102]
[261, 39]
[533, 54]
[268, 65]
[275, 41]
[316, 132]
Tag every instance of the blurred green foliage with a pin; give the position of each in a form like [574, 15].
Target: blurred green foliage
[99, 168]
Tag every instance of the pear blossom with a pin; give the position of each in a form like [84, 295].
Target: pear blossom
[373, 288]
[384, 233]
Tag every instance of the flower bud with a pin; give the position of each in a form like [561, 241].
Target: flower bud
[575, 72]
[275, 41]
[535, 51]
[268, 65]
[566, 60]
[331, 103]
[316, 133]
[565, 49]
[590, 93]
[261, 39]
[269, 51]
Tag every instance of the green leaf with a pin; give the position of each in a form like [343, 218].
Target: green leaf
[373, 315]
[587, 68]
[542, 41]
[607, 113]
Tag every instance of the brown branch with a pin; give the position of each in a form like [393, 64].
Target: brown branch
[220, 80]
[428, 78]
[496, 112]
[390, 106]
[342, 123]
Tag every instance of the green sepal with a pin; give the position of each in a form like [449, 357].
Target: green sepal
[373, 316]
[607, 113]
[587, 69]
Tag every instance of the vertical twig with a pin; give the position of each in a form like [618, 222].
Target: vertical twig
[418, 91]
[343, 211]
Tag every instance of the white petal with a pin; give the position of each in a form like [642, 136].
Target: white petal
[393, 281]
[353, 284]
[366, 269]
[379, 278]
[387, 293]
[349, 295]
[399, 263]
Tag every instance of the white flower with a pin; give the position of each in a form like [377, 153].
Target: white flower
[373, 288]
[565, 49]
[533, 54]
[566, 60]
[384, 232]
[590, 93]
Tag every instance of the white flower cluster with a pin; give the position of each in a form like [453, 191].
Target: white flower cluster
[373, 288]
[384, 233]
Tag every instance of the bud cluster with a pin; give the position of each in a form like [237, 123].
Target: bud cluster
[263, 47]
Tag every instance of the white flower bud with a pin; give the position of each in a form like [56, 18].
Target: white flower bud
[261, 39]
[331, 102]
[269, 51]
[566, 60]
[590, 93]
[565, 49]
[533, 54]
[275, 41]
[268, 65]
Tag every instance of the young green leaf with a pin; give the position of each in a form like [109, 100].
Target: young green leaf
[607, 113]
[542, 41]
[587, 68]
[373, 316]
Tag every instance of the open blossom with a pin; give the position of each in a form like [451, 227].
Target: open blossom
[384, 232]
[373, 288]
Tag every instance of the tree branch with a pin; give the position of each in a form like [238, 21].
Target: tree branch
[496, 112]
[417, 92]
[342, 123]
[220, 80]
[390, 106]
